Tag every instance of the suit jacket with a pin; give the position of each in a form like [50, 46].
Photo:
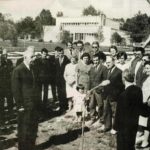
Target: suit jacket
[60, 68]
[24, 88]
[129, 107]
[116, 85]
[133, 65]
[69, 53]
[6, 72]
[46, 69]
[19, 61]
[97, 76]
[82, 52]
[139, 76]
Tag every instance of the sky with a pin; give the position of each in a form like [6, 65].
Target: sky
[17, 9]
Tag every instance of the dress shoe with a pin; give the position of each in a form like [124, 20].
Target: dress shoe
[113, 132]
[142, 147]
[103, 129]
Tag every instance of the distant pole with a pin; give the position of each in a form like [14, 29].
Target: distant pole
[24, 43]
[83, 122]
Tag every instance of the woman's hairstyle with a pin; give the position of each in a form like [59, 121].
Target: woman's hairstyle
[44, 50]
[147, 63]
[95, 42]
[85, 55]
[122, 53]
[59, 49]
[139, 49]
[113, 47]
[80, 42]
[80, 86]
[128, 76]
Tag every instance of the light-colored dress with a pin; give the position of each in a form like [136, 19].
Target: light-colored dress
[79, 102]
[82, 71]
[123, 67]
[70, 77]
[143, 121]
[146, 89]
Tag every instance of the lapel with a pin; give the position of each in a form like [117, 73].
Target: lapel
[112, 73]
[97, 71]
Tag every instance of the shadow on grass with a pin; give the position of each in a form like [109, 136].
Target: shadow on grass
[7, 143]
[62, 138]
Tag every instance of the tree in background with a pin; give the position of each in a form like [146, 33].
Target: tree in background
[60, 14]
[44, 18]
[1, 17]
[138, 26]
[116, 38]
[34, 28]
[91, 11]
[8, 30]
[65, 36]
[25, 27]
[99, 35]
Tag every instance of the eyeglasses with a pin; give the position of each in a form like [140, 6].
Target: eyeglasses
[94, 47]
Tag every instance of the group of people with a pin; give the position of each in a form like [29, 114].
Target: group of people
[110, 92]
[116, 91]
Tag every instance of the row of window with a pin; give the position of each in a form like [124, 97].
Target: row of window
[77, 24]
[81, 36]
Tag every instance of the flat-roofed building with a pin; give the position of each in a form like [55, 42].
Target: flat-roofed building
[83, 28]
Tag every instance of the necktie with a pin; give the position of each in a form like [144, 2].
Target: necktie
[70, 51]
[60, 60]
[109, 74]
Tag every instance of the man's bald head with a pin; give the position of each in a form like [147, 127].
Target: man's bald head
[29, 54]
[110, 62]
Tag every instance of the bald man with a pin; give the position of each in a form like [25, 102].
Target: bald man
[26, 94]
[113, 86]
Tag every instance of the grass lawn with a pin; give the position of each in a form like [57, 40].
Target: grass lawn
[39, 45]
[22, 45]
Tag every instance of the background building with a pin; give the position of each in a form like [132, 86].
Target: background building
[83, 28]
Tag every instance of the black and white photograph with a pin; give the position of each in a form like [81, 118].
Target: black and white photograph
[74, 74]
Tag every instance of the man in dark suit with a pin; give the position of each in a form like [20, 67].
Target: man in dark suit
[136, 65]
[70, 51]
[2, 107]
[81, 49]
[45, 74]
[61, 63]
[113, 86]
[6, 72]
[19, 61]
[27, 95]
[129, 107]
[97, 74]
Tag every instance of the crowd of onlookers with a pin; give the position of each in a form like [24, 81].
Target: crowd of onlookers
[111, 93]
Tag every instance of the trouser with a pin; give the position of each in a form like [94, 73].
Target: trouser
[7, 93]
[96, 99]
[109, 112]
[45, 93]
[2, 112]
[126, 139]
[27, 129]
[53, 88]
[61, 89]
